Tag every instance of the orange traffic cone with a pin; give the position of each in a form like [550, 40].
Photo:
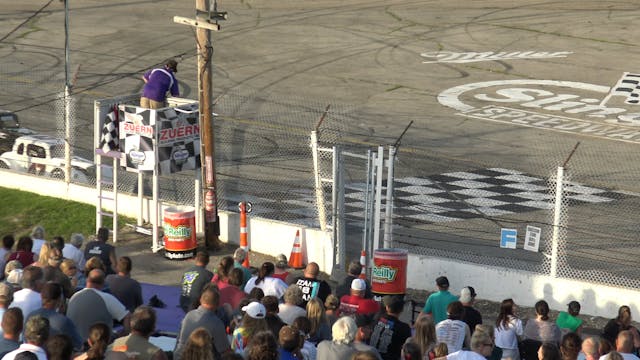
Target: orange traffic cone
[363, 262]
[295, 260]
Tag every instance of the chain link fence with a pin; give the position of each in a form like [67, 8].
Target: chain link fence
[447, 202]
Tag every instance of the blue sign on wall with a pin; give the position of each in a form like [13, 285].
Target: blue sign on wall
[508, 238]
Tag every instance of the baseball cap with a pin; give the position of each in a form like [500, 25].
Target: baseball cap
[255, 310]
[173, 65]
[358, 284]
[442, 281]
[281, 261]
[467, 294]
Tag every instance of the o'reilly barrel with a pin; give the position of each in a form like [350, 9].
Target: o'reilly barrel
[389, 273]
[179, 228]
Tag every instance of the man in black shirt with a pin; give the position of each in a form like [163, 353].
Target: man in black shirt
[101, 249]
[193, 280]
[389, 334]
[311, 286]
[470, 316]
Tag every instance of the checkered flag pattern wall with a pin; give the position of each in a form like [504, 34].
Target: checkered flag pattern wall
[109, 140]
[629, 86]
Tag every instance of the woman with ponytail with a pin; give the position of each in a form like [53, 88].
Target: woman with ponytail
[542, 328]
[264, 280]
[98, 340]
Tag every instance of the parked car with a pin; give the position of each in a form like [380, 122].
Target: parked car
[10, 130]
[44, 155]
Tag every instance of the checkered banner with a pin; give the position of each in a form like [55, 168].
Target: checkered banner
[175, 132]
[178, 139]
[137, 135]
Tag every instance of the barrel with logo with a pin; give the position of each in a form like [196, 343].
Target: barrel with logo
[389, 273]
[179, 227]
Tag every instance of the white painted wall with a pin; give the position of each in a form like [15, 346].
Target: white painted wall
[525, 288]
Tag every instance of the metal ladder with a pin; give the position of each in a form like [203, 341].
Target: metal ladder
[105, 195]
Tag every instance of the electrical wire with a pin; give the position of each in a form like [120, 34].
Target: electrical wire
[26, 21]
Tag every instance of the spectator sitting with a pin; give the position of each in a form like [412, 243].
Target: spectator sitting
[37, 236]
[204, 316]
[123, 287]
[292, 306]
[624, 345]
[290, 343]
[52, 302]
[620, 323]
[13, 274]
[23, 252]
[199, 346]
[361, 342]
[264, 347]
[221, 278]
[6, 297]
[549, 351]
[98, 340]
[273, 320]
[101, 249]
[92, 305]
[36, 333]
[252, 322]
[72, 250]
[355, 303]
[57, 243]
[281, 267]
[353, 272]
[5, 251]
[340, 347]
[453, 331]
[320, 329]
[425, 337]
[481, 347]
[265, 281]
[568, 321]
[436, 304]
[194, 280]
[303, 325]
[311, 285]
[28, 299]
[331, 309]
[542, 328]
[570, 346]
[59, 347]
[496, 352]
[91, 264]
[410, 351]
[52, 272]
[232, 294]
[591, 348]
[238, 259]
[390, 333]
[12, 321]
[70, 270]
[471, 316]
[143, 324]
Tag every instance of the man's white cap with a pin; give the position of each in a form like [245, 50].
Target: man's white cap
[255, 310]
[358, 284]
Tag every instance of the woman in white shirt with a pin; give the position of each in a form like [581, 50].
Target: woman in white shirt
[265, 281]
[508, 329]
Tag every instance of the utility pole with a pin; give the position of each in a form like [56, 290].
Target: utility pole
[203, 23]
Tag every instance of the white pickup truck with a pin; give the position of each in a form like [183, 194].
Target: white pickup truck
[44, 155]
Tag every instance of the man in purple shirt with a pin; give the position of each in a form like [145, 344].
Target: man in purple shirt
[157, 83]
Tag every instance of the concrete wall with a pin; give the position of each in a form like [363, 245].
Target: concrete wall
[525, 288]
[272, 237]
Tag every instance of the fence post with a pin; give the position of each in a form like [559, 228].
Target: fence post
[556, 222]
[379, 166]
[322, 216]
[388, 214]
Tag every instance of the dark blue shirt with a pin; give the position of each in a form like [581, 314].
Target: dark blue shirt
[59, 324]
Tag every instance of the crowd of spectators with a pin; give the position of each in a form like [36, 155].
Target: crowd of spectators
[64, 301]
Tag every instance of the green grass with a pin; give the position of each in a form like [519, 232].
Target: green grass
[20, 211]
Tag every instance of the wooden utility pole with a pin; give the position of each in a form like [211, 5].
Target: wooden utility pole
[204, 15]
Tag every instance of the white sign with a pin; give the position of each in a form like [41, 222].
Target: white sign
[532, 238]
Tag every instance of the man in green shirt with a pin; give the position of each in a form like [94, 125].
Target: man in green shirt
[436, 304]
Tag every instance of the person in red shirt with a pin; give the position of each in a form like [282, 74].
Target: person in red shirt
[356, 303]
[232, 294]
[281, 268]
